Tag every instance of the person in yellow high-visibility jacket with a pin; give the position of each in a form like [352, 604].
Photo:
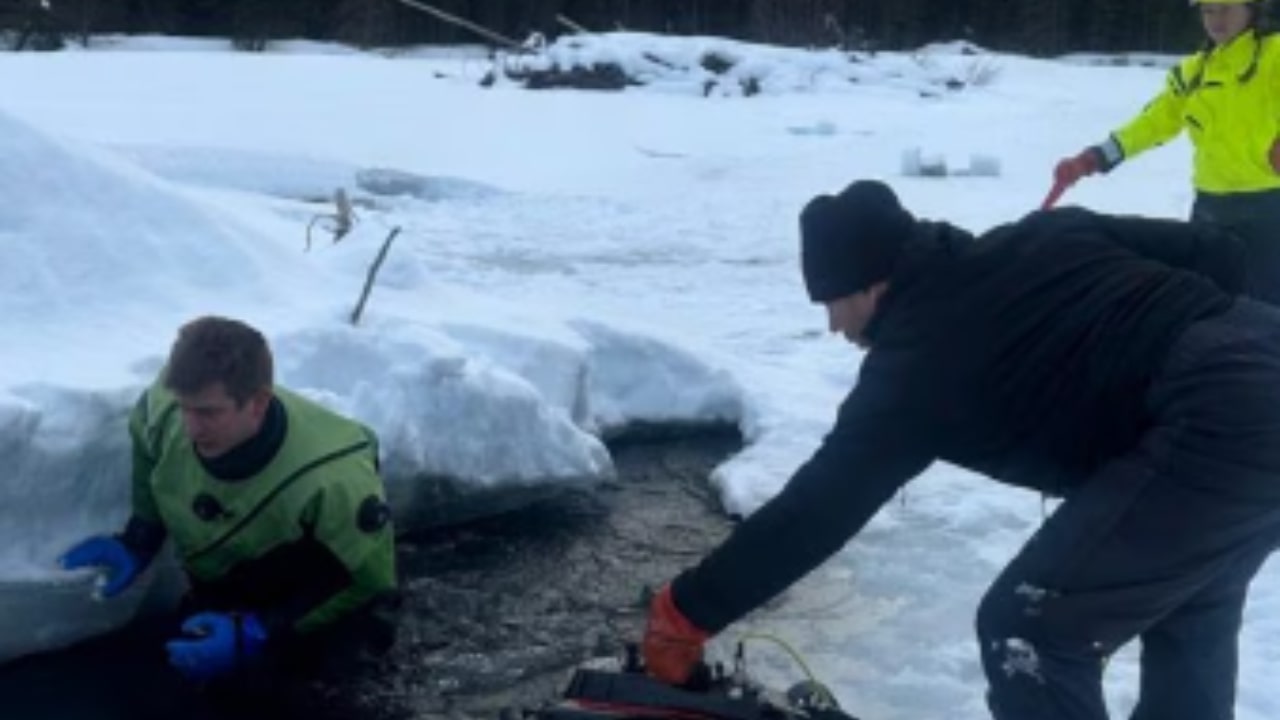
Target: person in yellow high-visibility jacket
[1227, 97]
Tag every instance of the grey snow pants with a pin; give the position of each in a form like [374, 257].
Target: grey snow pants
[1160, 545]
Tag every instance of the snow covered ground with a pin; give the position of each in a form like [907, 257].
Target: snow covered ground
[569, 261]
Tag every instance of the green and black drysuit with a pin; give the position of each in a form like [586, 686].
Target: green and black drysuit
[294, 529]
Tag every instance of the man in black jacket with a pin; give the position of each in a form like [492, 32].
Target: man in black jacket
[1103, 359]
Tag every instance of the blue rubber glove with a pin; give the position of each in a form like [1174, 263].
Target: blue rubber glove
[216, 644]
[120, 565]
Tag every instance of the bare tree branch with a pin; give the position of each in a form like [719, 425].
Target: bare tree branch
[467, 24]
[343, 218]
[373, 275]
[565, 21]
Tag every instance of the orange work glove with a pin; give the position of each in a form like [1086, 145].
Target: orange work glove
[1070, 170]
[672, 645]
[1275, 156]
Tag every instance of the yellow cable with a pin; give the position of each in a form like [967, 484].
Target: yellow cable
[804, 667]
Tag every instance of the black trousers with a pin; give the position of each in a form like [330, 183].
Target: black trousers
[1160, 545]
[1255, 217]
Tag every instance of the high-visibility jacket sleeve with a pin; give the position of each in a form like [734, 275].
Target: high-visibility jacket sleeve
[1161, 120]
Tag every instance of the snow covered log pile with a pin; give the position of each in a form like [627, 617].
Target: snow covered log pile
[716, 67]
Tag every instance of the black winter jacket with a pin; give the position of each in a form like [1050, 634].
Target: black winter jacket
[1024, 355]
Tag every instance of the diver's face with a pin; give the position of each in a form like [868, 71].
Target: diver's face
[215, 423]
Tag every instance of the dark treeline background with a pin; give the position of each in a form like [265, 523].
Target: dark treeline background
[1041, 27]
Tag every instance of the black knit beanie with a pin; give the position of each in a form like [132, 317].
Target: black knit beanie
[849, 242]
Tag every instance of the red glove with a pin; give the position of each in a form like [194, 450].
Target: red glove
[672, 644]
[1275, 156]
[1070, 170]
